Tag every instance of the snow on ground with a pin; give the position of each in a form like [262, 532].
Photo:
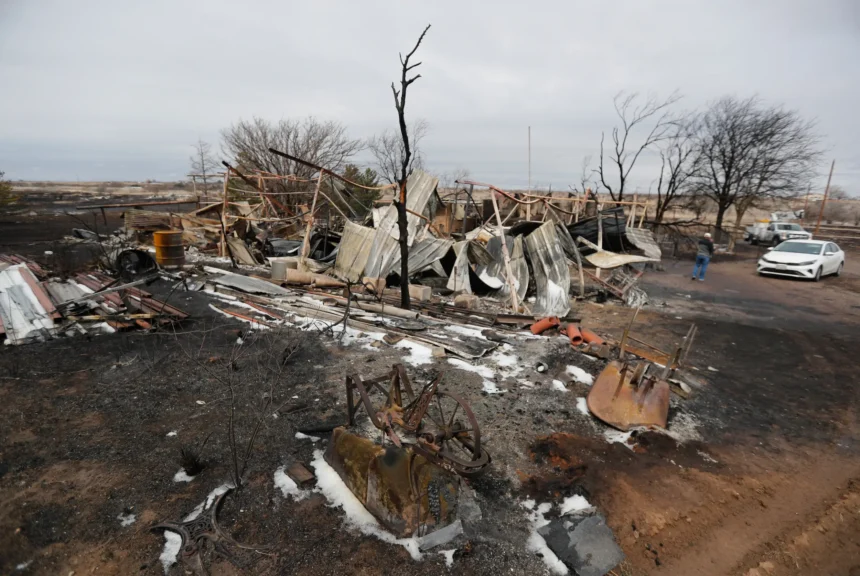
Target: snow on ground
[683, 428]
[449, 557]
[466, 331]
[580, 375]
[612, 435]
[483, 371]
[182, 476]
[288, 486]
[559, 386]
[332, 487]
[172, 540]
[172, 433]
[126, 519]
[418, 353]
[574, 503]
[536, 543]
[301, 436]
[582, 405]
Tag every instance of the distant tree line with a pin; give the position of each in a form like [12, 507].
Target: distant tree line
[736, 153]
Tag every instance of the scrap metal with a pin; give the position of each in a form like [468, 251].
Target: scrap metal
[440, 437]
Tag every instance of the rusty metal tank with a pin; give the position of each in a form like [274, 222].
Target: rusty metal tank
[169, 251]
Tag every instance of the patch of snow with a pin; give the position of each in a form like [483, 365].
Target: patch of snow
[582, 405]
[201, 402]
[683, 428]
[574, 503]
[712, 369]
[559, 386]
[171, 433]
[706, 457]
[536, 543]
[172, 544]
[580, 375]
[330, 485]
[465, 331]
[612, 435]
[489, 386]
[449, 556]
[23, 566]
[208, 502]
[288, 486]
[182, 476]
[126, 519]
[418, 353]
[301, 436]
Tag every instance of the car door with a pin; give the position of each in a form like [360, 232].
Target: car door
[831, 258]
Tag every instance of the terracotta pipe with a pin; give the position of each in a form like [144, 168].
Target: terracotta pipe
[545, 324]
[590, 337]
[574, 334]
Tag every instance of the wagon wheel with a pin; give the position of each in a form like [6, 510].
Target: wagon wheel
[450, 436]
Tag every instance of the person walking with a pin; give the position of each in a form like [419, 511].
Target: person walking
[703, 256]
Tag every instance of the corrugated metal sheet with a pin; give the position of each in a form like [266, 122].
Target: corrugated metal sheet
[420, 186]
[353, 251]
[25, 309]
[468, 253]
[552, 277]
[382, 253]
[494, 275]
[607, 260]
[643, 239]
[65, 291]
[458, 281]
[250, 285]
[422, 254]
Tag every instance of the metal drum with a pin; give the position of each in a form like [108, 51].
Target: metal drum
[169, 251]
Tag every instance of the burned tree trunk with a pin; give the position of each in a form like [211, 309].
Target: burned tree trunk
[400, 202]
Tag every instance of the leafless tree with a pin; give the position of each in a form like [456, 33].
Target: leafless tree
[585, 174]
[677, 156]
[389, 152]
[203, 162]
[747, 152]
[324, 143]
[405, 163]
[448, 180]
[634, 117]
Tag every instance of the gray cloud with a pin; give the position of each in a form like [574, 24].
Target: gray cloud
[98, 89]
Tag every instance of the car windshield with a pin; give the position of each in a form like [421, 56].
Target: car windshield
[799, 247]
[791, 227]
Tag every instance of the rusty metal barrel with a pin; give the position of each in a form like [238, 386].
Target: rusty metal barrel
[169, 251]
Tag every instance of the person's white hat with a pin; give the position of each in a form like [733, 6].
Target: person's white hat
[707, 234]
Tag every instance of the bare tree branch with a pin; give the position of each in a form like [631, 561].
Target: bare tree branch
[624, 155]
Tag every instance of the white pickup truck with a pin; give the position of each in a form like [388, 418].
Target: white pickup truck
[775, 232]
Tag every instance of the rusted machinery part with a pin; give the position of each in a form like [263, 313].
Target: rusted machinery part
[194, 533]
[545, 324]
[624, 397]
[453, 446]
[574, 334]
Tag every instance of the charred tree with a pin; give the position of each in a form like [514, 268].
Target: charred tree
[400, 201]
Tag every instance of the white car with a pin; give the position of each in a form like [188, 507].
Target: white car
[810, 259]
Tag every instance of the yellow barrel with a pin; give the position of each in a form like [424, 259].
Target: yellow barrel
[169, 251]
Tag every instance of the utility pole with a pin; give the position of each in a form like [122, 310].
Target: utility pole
[529, 206]
[806, 201]
[824, 201]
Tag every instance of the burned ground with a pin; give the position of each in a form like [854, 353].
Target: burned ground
[760, 470]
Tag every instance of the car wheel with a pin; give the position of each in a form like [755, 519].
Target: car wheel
[839, 270]
[817, 275]
[775, 241]
[753, 242]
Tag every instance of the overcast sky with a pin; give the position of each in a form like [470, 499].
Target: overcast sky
[107, 89]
